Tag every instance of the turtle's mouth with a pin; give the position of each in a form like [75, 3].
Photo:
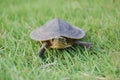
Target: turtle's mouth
[59, 42]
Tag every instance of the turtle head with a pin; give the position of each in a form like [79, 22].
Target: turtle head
[59, 42]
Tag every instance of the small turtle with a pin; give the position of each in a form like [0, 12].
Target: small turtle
[58, 34]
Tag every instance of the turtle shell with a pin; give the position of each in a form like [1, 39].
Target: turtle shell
[56, 28]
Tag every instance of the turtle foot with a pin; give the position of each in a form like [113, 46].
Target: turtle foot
[84, 44]
[42, 49]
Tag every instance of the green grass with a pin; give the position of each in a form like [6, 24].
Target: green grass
[19, 58]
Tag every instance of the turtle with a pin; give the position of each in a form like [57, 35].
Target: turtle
[58, 34]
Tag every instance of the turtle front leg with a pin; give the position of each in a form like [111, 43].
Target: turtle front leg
[84, 44]
[42, 49]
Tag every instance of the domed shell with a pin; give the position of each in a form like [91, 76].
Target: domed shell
[56, 28]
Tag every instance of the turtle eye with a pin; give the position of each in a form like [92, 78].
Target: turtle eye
[52, 40]
[62, 39]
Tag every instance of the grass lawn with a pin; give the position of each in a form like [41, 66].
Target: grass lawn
[19, 59]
